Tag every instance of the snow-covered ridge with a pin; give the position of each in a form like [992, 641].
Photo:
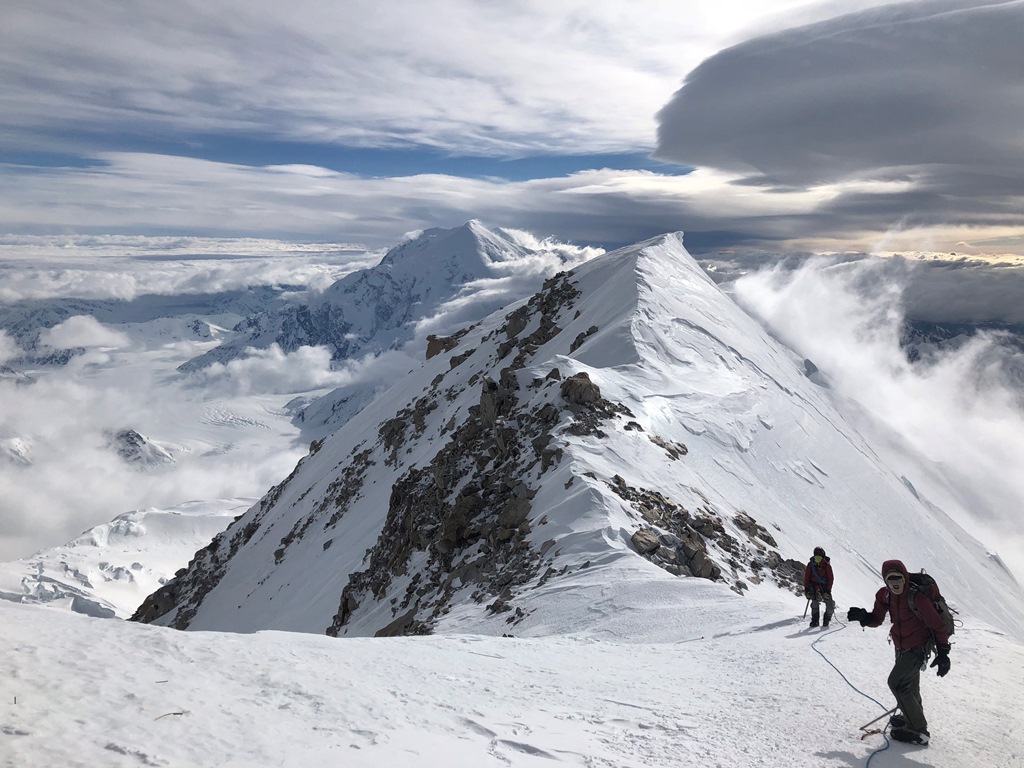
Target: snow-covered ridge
[628, 423]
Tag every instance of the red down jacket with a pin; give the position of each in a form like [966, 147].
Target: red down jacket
[907, 631]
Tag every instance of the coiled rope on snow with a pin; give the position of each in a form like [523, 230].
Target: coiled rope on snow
[818, 639]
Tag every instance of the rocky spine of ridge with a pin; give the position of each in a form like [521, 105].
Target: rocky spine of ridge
[460, 523]
[462, 520]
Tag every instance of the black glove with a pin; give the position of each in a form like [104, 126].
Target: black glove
[941, 660]
[859, 615]
[808, 594]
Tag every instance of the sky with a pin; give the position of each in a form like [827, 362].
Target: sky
[798, 125]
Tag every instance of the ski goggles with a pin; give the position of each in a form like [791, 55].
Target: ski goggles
[895, 578]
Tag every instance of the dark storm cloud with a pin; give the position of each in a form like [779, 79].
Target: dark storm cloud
[950, 290]
[907, 117]
[966, 291]
[913, 84]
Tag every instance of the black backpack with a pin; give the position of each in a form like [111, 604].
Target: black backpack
[923, 584]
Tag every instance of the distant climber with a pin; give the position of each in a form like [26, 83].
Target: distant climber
[915, 627]
[818, 586]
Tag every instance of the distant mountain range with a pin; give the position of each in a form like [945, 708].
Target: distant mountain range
[628, 421]
[376, 309]
[108, 570]
[180, 316]
[924, 341]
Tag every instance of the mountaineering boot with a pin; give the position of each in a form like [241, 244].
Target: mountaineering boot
[814, 623]
[898, 721]
[910, 736]
[824, 623]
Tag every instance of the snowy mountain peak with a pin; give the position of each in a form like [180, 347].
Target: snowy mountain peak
[467, 250]
[627, 424]
[377, 309]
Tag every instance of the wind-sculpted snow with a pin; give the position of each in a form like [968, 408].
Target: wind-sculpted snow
[628, 423]
[680, 673]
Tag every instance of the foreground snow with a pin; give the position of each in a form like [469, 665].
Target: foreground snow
[671, 673]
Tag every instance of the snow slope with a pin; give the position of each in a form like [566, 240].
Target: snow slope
[707, 678]
[489, 489]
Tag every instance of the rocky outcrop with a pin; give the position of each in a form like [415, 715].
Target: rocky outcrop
[181, 597]
[136, 450]
[705, 543]
[465, 516]
[439, 493]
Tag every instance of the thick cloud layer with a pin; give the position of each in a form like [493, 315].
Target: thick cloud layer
[921, 97]
[916, 84]
[963, 411]
[228, 426]
[127, 267]
[502, 79]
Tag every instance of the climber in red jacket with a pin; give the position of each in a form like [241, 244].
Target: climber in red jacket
[914, 630]
[818, 586]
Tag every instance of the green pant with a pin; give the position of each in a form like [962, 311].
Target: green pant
[905, 684]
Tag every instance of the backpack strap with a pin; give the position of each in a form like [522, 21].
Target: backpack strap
[931, 644]
[817, 576]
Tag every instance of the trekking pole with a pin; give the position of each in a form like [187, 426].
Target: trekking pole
[805, 607]
[884, 714]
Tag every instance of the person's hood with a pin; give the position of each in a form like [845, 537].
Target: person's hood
[895, 565]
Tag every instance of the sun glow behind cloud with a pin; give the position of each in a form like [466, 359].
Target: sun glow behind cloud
[132, 193]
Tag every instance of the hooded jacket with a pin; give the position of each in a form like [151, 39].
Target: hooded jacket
[819, 575]
[907, 631]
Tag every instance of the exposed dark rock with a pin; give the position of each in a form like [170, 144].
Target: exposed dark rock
[438, 344]
[645, 541]
[578, 389]
[673, 449]
[578, 341]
